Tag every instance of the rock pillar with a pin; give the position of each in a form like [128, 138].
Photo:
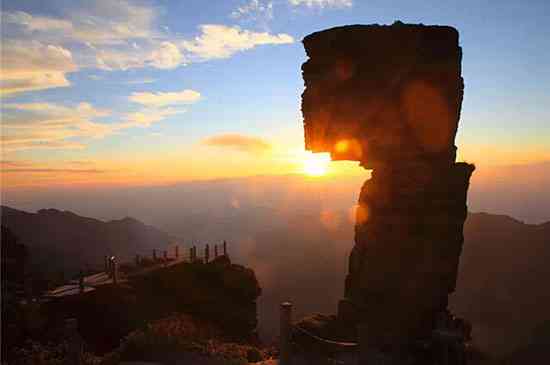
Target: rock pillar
[389, 97]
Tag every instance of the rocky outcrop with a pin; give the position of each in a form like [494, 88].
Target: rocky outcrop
[390, 97]
[383, 95]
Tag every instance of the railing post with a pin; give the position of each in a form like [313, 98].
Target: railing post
[206, 254]
[106, 263]
[224, 248]
[75, 342]
[110, 266]
[165, 254]
[177, 252]
[137, 260]
[154, 255]
[215, 251]
[285, 330]
[115, 271]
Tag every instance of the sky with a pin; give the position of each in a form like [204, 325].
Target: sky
[102, 92]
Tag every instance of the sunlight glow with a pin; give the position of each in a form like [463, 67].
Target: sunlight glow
[342, 146]
[316, 164]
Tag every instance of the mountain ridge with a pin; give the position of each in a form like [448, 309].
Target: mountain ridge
[60, 239]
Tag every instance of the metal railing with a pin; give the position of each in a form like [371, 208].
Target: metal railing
[449, 338]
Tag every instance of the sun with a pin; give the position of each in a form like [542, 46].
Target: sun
[316, 164]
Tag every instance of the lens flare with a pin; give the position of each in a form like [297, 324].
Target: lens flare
[316, 164]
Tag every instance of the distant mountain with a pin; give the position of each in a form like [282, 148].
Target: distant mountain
[61, 240]
[536, 351]
[503, 281]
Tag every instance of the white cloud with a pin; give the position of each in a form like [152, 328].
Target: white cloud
[121, 36]
[145, 80]
[32, 65]
[147, 117]
[113, 22]
[47, 125]
[54, 126]
[254, 10]
[84, 110]
[322, 3]
[98, 22]
[159, 99]
[33, 23]
[220, 41]
[166, 56]
[111, 31]
[112, 59]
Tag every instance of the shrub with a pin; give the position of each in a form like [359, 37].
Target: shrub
[35, 353]
[180, 335]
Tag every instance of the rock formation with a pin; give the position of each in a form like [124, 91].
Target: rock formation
[390, 98]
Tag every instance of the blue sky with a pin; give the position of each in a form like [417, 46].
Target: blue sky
[91, 86]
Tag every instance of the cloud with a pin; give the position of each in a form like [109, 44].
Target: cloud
[220, 41]
[166, 56]
[113, 22]
[322, 3]
[36, 23]
[214, 41]
[32, 65]
[238, 142]
[50, 126]
[80, 163]
[109, 30]
[159, 99]
[84, 110]
[99, 22]
[146, 117]
[254, 10]
[53, 126]
[120, 59]
[114, 36]
[9, 164]
[53, 170]
[22, 166]
[146, 80]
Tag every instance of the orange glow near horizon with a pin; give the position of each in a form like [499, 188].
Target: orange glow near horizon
[196, 163]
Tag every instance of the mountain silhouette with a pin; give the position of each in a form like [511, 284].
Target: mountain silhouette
[64, 241]
[502, 285]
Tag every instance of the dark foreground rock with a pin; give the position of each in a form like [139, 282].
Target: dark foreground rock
[219, 292]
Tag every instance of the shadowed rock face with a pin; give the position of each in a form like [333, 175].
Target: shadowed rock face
[382, 94]
[390, 97]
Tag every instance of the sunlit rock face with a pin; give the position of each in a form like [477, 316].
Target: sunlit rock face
[390, 97]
